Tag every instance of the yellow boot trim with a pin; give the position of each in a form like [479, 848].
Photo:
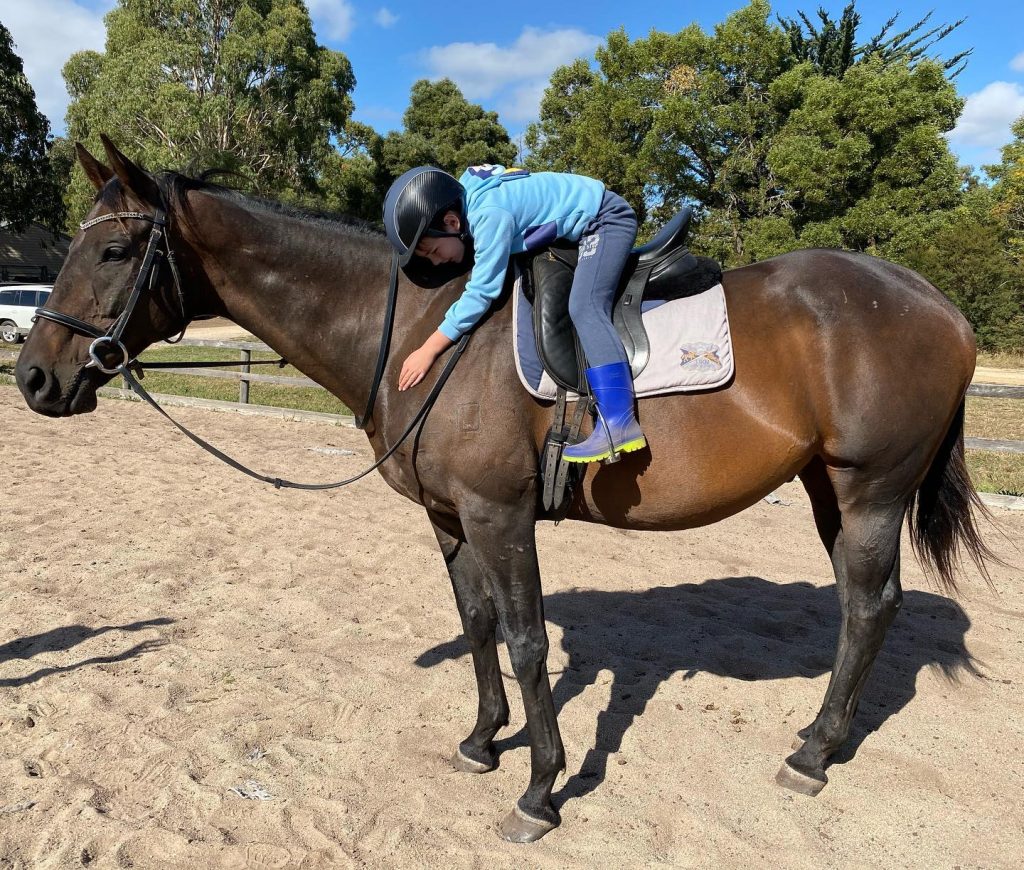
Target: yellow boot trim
[628, 447]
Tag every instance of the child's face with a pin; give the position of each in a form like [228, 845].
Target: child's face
[444, 249]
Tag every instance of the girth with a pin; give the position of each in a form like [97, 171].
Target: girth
[663, 269]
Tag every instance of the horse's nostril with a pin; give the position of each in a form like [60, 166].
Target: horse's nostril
[35, 380]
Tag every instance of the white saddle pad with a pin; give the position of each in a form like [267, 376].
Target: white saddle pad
[690, 346]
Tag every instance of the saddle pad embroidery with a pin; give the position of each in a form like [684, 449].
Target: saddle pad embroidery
[691, 348]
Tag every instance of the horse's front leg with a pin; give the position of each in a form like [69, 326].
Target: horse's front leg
[503, 541]
[479, 620]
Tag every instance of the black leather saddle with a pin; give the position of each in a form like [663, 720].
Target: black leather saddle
[662, 269]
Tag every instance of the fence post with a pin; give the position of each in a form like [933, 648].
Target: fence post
[243, 382]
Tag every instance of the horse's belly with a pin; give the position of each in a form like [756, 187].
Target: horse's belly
[707, 458]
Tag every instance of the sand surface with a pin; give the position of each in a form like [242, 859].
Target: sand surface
[172, 630]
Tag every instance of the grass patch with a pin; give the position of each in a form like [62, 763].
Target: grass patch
[996, 472]
[994, 418]
[300, 398]
[1006, 359]
[1002, 419]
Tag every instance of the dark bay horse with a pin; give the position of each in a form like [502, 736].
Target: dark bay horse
[850, 373]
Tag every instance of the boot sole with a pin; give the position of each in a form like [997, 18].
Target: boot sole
[628, 447]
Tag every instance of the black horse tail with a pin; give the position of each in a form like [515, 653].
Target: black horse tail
[941, 514]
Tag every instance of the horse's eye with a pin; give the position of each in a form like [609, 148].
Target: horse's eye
[114, 253]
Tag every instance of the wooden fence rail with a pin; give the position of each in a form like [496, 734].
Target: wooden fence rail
[246, 377]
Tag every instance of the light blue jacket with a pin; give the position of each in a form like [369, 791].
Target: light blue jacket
[510, 211]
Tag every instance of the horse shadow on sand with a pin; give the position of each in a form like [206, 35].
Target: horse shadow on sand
[66, 637]
[742, 628]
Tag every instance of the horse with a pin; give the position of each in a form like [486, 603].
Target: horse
[850, 373]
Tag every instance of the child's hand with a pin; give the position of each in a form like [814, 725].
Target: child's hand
[418, 363]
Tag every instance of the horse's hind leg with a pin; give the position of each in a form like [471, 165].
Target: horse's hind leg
[479, 620]
[866, 551]
[828, 521]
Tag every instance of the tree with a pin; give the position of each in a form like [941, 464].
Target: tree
[775, 153]
[833, 48]
[442, 128]
[237, 84]
[1009, 192]
[30, 192]
[862, 160]
[351, 179]
[670, 118]
[965, 256]
[598, 122]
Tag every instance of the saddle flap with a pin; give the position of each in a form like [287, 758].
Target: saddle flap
[547, 281]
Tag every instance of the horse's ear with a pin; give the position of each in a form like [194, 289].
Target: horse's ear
[132, 178]
[95, 171]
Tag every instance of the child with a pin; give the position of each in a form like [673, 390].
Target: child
[430, 217]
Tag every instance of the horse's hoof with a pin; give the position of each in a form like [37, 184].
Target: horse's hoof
[798, 781]
[518, 827]
[465, 764]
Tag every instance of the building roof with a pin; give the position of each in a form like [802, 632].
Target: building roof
[34, 255]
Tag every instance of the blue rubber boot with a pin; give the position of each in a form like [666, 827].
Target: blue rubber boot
[616, 430]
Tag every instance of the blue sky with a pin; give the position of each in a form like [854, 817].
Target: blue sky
[503, 59]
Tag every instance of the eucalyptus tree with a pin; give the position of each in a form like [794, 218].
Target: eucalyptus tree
[241, 85]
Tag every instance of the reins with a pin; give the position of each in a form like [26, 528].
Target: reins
[146, 278]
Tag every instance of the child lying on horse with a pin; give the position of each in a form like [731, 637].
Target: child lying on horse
[430, 216]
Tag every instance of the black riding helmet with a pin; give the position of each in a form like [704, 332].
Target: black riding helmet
[412, 204]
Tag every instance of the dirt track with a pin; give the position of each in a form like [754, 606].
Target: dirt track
[172, 630]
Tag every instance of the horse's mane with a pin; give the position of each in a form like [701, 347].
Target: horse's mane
[174, 186]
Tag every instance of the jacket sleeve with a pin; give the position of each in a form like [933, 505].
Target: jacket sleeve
[493, 232]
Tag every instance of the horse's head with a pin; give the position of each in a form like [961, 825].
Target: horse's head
[107, 271]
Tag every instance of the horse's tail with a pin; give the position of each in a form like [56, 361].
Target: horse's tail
[942, 520]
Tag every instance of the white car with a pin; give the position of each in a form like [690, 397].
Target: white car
[18, 304]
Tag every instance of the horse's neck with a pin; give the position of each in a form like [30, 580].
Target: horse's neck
[313, 291]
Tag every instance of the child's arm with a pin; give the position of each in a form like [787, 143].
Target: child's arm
[418, 363]
[493, 241]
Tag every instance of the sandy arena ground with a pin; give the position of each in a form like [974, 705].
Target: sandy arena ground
[172, 630]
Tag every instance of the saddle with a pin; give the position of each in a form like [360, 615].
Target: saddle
[663, 269]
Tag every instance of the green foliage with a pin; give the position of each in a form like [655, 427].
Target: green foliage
[30, 190]
[862, 159]
[350, 182]
[237, 84]
[443, 129]
[964, 255]
[1009, 192]
[832, 49]
[776, 153]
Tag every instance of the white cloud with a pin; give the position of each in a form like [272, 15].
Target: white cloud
[385, 17]
[522, 103]
[332, 19]
[483, 69]
[1018, 62]
[46, 33]
[988, 115]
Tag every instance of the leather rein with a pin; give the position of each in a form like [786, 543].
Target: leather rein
[110, 339]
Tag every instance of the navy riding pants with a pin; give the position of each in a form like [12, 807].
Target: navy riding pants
[604, 247]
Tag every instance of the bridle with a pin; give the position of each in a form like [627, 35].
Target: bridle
[147, 278]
